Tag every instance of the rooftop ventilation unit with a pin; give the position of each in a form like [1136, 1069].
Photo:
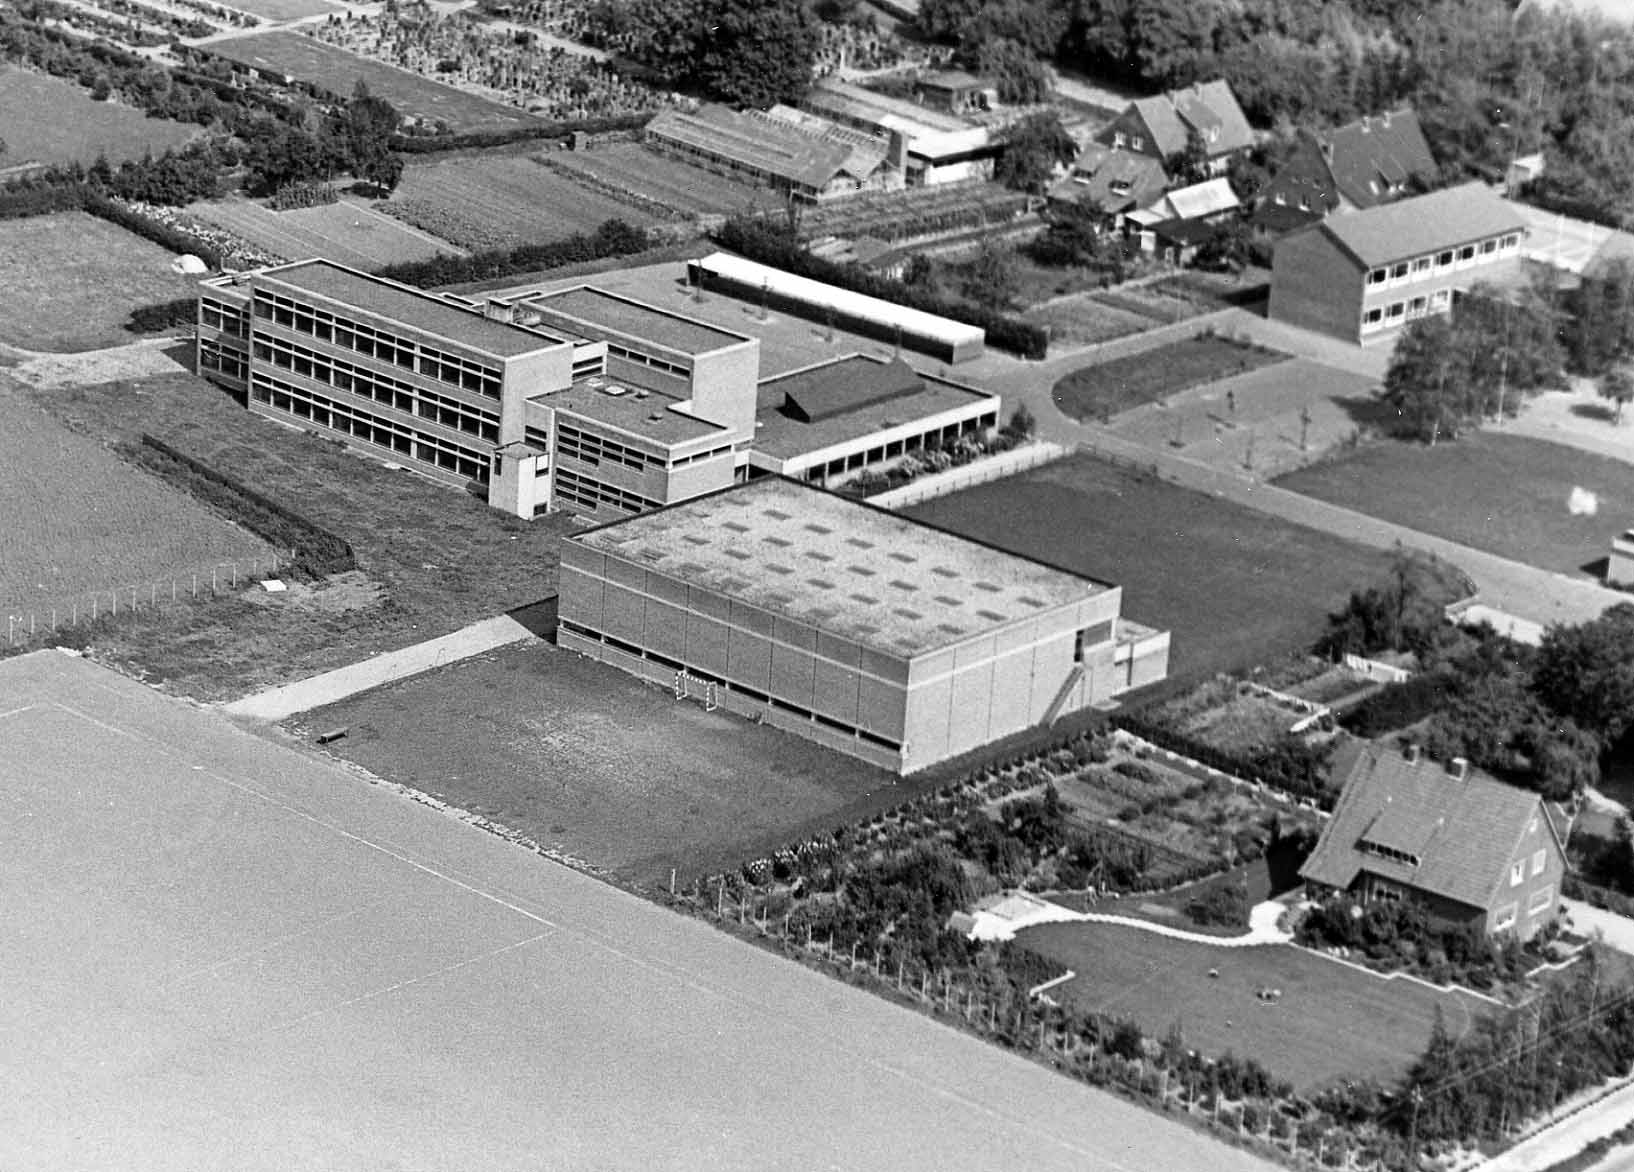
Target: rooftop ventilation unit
[655, 417]
[596, 381]
[614, 389]
[641, 394]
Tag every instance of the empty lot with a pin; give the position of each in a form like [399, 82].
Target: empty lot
[586, 759]
[222, 953]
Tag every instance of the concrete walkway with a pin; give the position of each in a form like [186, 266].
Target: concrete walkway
[1570, 1135]
[1006, 916]
[1617, 931]
[316, 691]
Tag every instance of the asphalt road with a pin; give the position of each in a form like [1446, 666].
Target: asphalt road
[224, 952]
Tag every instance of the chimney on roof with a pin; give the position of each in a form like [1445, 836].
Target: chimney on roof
[499, 311]
[1412, 753]
[1458, 768]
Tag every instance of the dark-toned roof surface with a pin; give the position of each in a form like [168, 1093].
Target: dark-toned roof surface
[399, 303]
[1463, 833]
[1111, 180]
[1369, 157]
[892, 584]
[846, 384]
[1422, 224]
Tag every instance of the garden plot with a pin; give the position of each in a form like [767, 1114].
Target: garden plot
[1236, 716]
[647, 175]
[502, 201]
[345, 232]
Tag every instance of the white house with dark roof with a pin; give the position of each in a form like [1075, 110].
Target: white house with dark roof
[1469, 848]
[1365, 275]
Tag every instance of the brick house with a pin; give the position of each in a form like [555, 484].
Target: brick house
[1364, 275]
[1469, 848]
[1360, 165]
[1159, 127]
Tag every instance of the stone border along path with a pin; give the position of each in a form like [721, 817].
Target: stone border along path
[990, 925]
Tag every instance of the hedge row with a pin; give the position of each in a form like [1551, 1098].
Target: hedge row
[761, 242]
[165, 315]
[74, 197]
[1396, 706]
[317, 552]
[613, 238]
[1574, 887]
[1300, 772]
[425, 144]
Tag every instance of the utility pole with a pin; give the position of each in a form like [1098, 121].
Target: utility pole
[1412, 1133]
[1305, 428]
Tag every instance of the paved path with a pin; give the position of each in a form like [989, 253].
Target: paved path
[316, 691]
[1587, 919]
[1019, 910]
[1570, 1136]
[225, 952]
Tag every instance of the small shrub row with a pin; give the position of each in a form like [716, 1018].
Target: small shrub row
[1574, 887]
[163, 315]
[613, 238]
[1397, 706]
[317, 552]
[1290, 765]
[426, 144]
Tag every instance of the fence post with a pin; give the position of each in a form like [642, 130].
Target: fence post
[115, 595]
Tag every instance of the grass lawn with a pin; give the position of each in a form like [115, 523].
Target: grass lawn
[49, 120]
[1504, 494]
[1332, 1021]
[1107, 388]
[69, 281]
[79, 519]
[1083, 320]
[433, 559]
[1236, 587]
[586, 759]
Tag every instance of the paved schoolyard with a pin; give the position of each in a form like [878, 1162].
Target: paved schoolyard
[222, 952]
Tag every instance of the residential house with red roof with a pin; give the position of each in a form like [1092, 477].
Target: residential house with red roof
[1467, 847]
[1350, 168]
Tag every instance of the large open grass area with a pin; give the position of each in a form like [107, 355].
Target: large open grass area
[77, 520]
[1108, 388]
[348, 232]
[49, 120]
[336, 71]
[432, 558]
[588, 760]
[1332, 1022]
[69, 281]
[1505, 494]
[1235, 586]
[500, 201]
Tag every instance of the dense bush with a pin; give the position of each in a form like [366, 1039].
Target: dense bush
[163, 315]
[425, 144]
[762, 241]
[317, 552]
[1398, 705]
[613, 238]
[1290, 764]
[1224, 904]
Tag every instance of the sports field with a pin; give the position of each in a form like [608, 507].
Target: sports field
[78, 519]
[49, 120]
[1235, 586]
[1508, 495]
[501, 201]
[225, 953]
[348, 232]
[336, 71]
[69, 281]
[586, 759]
[1332, 1021]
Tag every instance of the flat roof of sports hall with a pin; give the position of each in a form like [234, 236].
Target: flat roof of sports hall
[421, 311]
[894, 585]
[639, 319]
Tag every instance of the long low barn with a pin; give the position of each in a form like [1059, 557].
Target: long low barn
[928, 333]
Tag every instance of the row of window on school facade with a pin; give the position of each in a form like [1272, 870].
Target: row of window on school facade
[1447, 260]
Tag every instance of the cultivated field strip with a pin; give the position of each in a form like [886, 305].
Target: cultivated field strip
[650, 175]
[346, 233]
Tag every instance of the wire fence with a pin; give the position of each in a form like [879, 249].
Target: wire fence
[41, 624]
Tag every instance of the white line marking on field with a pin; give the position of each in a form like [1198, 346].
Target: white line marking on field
[70, 709]
[246, 954]
[17, 711]
[323, 1011]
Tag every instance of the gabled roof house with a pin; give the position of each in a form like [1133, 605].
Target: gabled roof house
[1469, 848]
[1160, 127]
[1359, 165]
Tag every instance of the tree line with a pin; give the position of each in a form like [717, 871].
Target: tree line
[1488, 83]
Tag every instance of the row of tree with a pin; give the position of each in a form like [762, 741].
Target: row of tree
[1487, 83]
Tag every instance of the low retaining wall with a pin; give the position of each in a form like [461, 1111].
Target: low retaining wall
[980, 471]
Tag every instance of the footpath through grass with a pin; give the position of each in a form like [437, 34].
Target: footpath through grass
[1508, 495]
[432, 558]
[1108, 388]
